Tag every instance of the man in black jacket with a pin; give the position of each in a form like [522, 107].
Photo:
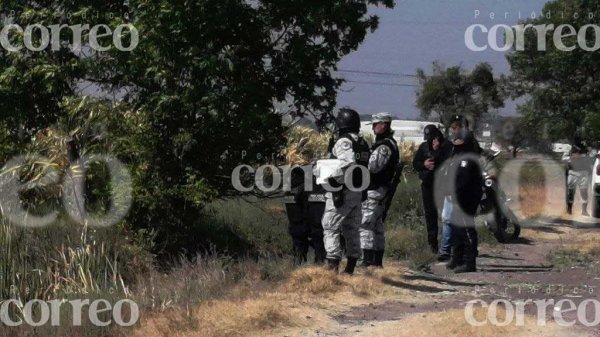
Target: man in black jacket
[427, 160]
[464, 173]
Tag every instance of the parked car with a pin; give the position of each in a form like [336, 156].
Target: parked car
[596, 187]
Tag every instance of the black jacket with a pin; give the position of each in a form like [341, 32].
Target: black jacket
[425, 152]
[468, 176]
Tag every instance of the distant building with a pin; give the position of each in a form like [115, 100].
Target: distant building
[404, 131]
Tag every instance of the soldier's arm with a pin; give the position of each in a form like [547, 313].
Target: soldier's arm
[343, 151]
[379, 158]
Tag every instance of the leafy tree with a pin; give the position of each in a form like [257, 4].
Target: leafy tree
[198, 93]
[451, 91]
[562, 86]
[520, 132]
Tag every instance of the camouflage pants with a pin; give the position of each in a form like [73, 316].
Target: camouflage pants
[574, 180]
[372, 229]
[345, 221]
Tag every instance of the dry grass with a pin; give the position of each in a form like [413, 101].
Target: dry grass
[586, 244]
[453, 324]
[407, 152]
[219, 318]
[283, 306]
[225, 318]
[211, 297]
[305, 145]
[314, 281]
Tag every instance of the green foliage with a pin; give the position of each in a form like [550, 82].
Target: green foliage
[520, 132]
[562, 87]
[200, 89]
[406, 234]
[262, 224]
[451, 91]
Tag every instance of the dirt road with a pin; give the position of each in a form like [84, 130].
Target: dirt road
[550, 263]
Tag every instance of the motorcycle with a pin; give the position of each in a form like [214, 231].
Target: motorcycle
[499, 218]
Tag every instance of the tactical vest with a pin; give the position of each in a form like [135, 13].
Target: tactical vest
[386, 175]
[361, 155]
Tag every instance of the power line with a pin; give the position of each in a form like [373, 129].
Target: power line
[382, 83]
[352, 71]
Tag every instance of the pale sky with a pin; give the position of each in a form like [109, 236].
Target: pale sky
[413, 35]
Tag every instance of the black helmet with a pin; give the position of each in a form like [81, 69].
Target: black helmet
[430, 132]
[347, 120]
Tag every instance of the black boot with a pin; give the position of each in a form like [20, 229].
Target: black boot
[443, 258]
[433, 243]
[584, 211]
[470, 257]
[378, 258]
[300, 255]
[457, 258]
[319, 259]
[367, 258]
[350, 265]
[333, 265]
[569, 209]
[320, 255]
[469, 267]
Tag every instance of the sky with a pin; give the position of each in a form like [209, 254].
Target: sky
[415, 34]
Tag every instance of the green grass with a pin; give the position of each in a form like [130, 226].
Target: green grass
[563, 259]
[261, 224]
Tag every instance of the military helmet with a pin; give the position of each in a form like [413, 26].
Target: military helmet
[348, 120]
[382, 117]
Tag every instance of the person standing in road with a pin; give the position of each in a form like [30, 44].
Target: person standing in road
[579, 168]
[459, 126]
[383, 164]
[464, 173]
[343, 208]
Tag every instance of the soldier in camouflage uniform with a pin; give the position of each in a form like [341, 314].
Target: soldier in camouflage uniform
[579, 169]
[383, 162]
[343, 208]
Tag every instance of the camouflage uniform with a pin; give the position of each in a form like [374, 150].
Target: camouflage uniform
[373, 209]
[580, 167]
[346, 218]
[383, 164]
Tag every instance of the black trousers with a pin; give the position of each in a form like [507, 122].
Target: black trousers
[465, 239]
[431, 215]
[306, 230]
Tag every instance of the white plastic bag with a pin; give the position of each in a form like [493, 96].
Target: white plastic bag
[327, 168]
